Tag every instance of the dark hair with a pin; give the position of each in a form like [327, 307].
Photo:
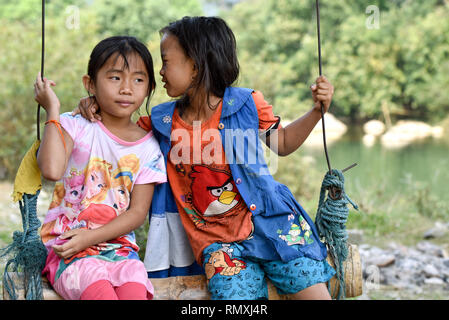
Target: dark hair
[121, 46]
[211, 44]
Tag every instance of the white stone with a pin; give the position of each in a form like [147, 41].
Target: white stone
[438, 231]
[437, 132]
[431, 249]
[369, 140]
[335, 129]
[406, 132]
[434, 281]
[374, 128]
[431, 272]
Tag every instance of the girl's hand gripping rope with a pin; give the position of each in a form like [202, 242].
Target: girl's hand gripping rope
[322, 92]
[45, 96]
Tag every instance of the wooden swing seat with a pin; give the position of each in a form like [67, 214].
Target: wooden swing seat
[194, 287]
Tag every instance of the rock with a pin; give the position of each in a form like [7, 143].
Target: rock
[431, 272]
[364, 247]
[409, 264]
[405, 132]
[434, 281]
[374, 128]
[383, 260]
[438, 231]
[369, 140]
[411, 271]
[444, 271]
[437, 132]
[446, 263]
[399, 249]
[335, 129]
[430, 248]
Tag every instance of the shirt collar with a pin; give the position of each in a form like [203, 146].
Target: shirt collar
[233, 100]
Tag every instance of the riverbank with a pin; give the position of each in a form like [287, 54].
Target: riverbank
[400, 272]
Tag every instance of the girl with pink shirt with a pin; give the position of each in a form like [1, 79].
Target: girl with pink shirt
[105, 174]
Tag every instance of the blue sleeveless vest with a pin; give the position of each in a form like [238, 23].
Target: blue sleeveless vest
[278, 218]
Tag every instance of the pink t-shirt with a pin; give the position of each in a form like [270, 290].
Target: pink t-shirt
[96, 187]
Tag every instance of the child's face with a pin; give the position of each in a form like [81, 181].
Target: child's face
[177, 70]
[75, 194]
[119, 90]
[122, 198]
[94, 184]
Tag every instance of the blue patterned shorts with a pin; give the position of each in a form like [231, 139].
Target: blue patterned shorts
[232, 277]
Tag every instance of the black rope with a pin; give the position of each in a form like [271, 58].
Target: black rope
[321, 73]
[38, 116]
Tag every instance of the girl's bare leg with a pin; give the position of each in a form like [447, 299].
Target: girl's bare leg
[316, 292]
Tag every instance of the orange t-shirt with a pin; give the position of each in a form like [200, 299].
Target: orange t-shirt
[209, 203]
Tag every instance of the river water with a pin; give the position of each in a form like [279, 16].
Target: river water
[393, 170]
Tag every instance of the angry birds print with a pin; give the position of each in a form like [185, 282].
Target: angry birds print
[213, 191]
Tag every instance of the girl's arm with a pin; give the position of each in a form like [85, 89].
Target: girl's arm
[53, 154]
[128, 221]
[293, 136]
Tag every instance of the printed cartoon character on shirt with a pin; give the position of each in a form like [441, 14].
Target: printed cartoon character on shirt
[64, 208]
[74, 193]
[98, 181]
[93, 217]
[122, 181]
[221, 262]
[294, 234]
[307, 230]
[74, 186]
[213, 191]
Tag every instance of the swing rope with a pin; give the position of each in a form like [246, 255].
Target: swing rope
[38, 115]
[331, 220]
[333, 210]
[28, 252]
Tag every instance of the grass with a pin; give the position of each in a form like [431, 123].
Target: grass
[401, 216]
[426, 292]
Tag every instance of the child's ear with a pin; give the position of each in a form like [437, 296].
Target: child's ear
[195, 71]
[88, 84]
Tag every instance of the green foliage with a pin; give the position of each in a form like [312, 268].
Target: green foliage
[67, 53]
[298, 173]
[401, 66]
[68, 46]
[141, 18]
[30, 10]
[427, 204]
[141, 238]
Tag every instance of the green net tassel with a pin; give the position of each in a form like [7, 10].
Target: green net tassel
[28, 252]
[331, 220]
